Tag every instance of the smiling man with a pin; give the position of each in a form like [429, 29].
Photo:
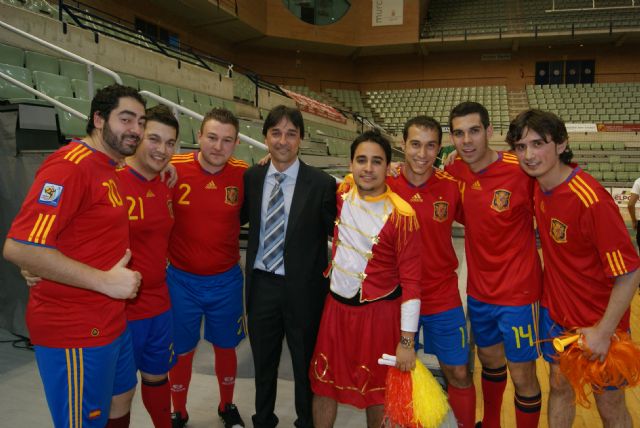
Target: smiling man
[590, 265]
[374, 303]
[149, 204]
[72, 231]
[204, 278]
[435, 197]
[291, 208]
[504, 280]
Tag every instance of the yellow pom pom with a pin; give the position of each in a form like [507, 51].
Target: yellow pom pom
[430, 405]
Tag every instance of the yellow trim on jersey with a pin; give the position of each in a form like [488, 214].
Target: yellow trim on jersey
[41, 228]
[183, 158]
[77, 154]
[510, 158]
[69, 398]
[444, 175]
[616, 263]
[238, 162]
[583, 191]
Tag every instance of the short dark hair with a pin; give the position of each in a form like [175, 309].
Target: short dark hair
[373, 136]
[280, 112]
[221, 115]
[426, 122]
[163, 114]
[107, 98]
[544, 123]
[469, 107]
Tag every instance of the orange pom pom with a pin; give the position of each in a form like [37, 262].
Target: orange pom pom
[398, 399]
[621, 368]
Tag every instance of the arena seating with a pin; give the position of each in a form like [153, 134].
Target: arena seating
[393, 107]
[493, 18]
[600, 102]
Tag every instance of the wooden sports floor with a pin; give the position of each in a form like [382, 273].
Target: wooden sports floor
[585, 418]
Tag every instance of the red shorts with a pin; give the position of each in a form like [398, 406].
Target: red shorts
[345, 365]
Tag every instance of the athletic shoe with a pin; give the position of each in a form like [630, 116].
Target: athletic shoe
[230, 416]
[177, 421]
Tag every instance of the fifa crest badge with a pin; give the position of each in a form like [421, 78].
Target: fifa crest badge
[440, 211]
[501, 200]
[558, 231]
[231, 195]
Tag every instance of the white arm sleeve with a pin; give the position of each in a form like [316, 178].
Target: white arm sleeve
[410, 315]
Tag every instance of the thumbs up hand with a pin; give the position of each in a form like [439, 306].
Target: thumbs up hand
[121, 282]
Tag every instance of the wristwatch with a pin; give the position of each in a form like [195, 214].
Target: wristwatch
[406, 342]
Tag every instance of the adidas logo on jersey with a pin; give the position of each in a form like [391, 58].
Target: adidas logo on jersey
[211, 185]
[416, 198]
[476, 185]
[150, 194]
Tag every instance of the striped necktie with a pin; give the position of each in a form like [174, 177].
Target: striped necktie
[274, 227]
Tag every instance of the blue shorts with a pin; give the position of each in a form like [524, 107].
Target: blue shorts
[153, 343]
[217, 298]
[445, 335]
[515, 326]
[79, 382]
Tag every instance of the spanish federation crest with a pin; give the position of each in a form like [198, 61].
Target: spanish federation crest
[440, 211]
[558, 231]
[231, 195]
[501, 200]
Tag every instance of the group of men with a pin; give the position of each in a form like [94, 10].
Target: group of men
[99, 228]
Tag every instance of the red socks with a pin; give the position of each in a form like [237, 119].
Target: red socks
[494, 382]
[179, 378]
[527, 410]
[463, 404]
[121, 422]
[226, 369]
[156, 397]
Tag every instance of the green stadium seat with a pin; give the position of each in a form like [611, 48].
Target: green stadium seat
[203, 99]
[11, 55]
[70, 125]
[129, 80]
[609, 176]
[623, 176]
[73, 70]
[81, 89]
[41, 6]
[169, 92]
[631, 167]
[257, 153]
[186, 131]
[229, 105]
[607, 146]
[35, 61]
[9, 91]
[243, 152]
[592, 166]
[185, 95]
[614, 159]
[596, 174]
[53, 85]
[617, 167]
[596, 146]
[148, 85]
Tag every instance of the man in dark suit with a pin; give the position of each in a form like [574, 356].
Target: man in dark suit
[291, 209]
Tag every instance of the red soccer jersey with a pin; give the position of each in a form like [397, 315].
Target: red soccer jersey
[74, 206]
[204, 240]
[585, 246]
[437, 203]
[150, 222]
[503, 266]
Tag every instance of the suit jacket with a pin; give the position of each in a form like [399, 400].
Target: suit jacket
[310, 223]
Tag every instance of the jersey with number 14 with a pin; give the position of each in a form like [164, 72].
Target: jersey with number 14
[204, 240]
[150, 222]
[75, 207]
[502, 260]
[585, 246]
[437, 205]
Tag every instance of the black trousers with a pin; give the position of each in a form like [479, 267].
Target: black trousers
[270, 321]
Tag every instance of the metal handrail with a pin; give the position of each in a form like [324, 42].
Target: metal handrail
[90, 64]
[43, 96]
[178, 108]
